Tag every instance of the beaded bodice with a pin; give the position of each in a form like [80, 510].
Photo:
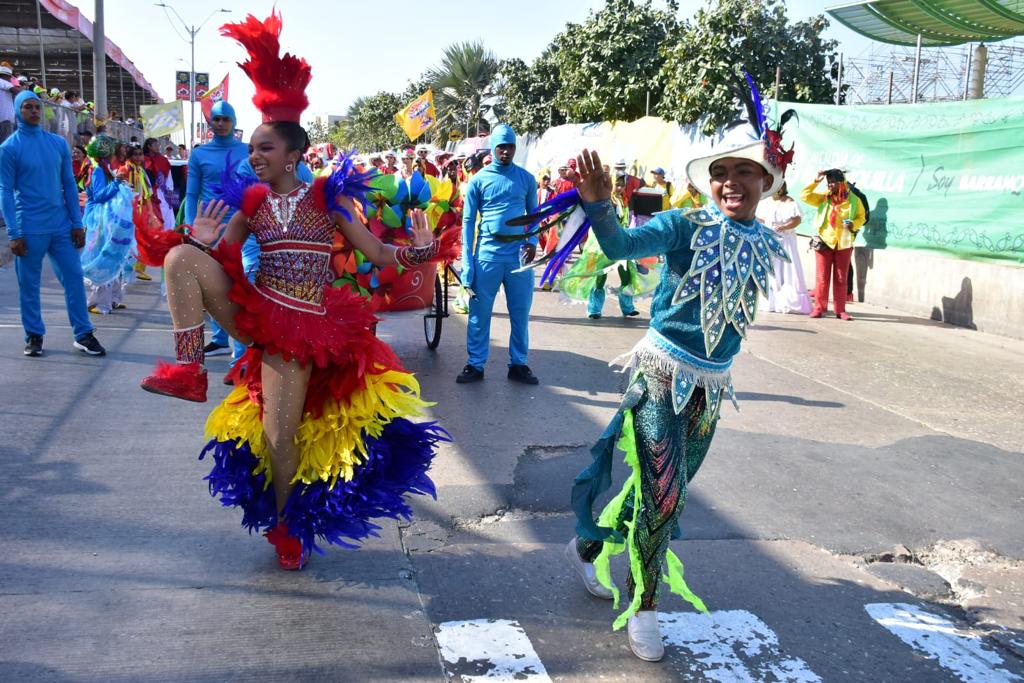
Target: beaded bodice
[295, 238]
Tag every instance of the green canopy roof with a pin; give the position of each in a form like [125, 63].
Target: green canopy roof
[938, 22]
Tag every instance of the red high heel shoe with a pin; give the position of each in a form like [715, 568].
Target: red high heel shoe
[290, 554]
[187, 382]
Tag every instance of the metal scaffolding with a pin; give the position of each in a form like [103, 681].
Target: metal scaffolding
[887, 73]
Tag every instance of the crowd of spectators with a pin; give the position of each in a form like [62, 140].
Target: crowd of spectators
[11, 84]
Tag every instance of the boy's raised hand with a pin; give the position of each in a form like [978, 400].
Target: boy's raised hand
[593, 183]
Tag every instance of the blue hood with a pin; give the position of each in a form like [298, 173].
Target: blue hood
[502, 134]
[224, 109]
[20, 100]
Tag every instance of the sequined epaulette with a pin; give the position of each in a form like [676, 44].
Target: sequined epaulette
[731, 263]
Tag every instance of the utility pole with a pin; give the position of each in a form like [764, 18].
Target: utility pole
[191, 30]
[839, 81]
[917, 70]
[42, 51]
[99, 64]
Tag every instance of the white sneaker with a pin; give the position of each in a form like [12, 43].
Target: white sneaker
[645, 636]
[587, 572]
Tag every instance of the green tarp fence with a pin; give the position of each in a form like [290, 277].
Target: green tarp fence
[939, 176]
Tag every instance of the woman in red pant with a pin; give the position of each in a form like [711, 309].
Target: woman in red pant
[840, 216]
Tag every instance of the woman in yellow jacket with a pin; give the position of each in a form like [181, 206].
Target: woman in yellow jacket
[840, 216]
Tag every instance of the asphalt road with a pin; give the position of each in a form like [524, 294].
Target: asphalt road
[859, 519]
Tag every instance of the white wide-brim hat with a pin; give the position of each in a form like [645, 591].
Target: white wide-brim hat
[738, 143]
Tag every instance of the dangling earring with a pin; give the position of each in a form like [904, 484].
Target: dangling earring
[289, 167]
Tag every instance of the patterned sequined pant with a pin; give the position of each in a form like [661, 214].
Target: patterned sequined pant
[670, 450]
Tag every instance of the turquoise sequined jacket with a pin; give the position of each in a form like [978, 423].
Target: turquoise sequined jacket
[669, 233]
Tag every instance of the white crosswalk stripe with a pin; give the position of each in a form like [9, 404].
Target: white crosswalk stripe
[489, 650]
[964, 654]
[732, 646]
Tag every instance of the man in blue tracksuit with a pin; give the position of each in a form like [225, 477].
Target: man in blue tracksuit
[205, 166]
[495, 195]
[39, 200]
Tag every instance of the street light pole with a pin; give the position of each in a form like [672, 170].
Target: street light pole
[99, 65]
[192, 92]
[191, 31]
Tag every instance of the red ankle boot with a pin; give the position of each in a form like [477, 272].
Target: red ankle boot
[187, 382]
[290, 554]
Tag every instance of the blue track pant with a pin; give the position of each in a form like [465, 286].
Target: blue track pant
[67, 265]
[487, 279]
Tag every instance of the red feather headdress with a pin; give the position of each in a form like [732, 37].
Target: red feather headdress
[280, 81]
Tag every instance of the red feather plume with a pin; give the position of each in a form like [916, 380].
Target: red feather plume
[252, 198]
[280, 81]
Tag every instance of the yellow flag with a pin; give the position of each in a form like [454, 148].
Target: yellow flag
[162, 119]
[418, 116]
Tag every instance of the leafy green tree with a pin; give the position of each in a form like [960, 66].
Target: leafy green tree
[371, 123]
[339, 136]
[701, 67]
[463, 87]
[611, 63]
[528, 93]
[317, 132]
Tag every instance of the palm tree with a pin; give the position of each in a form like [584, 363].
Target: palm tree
[463, 83]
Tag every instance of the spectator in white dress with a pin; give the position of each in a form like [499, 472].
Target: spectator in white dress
[787, 291]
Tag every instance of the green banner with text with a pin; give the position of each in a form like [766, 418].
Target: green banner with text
[941, 176]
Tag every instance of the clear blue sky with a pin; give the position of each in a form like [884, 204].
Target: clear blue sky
[357, 48]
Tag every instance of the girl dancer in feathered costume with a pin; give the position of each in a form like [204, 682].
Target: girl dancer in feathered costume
[314, 441]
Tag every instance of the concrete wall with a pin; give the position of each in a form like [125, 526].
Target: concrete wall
[974, 294]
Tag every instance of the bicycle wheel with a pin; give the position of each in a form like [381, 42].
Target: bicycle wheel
[432, 320]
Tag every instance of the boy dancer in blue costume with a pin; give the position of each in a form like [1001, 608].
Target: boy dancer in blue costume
[717, 260]
[39, 200]
[498, 193]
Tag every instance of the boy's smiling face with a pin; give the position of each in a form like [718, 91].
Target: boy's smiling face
[737, 185]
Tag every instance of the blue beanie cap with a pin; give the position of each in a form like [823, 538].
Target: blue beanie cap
[20, 100]
[224, 109]
[502, 134]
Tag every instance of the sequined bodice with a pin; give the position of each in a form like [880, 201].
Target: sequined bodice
[295, 239]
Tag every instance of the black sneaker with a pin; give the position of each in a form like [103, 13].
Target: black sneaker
[469, 375]
[523, 374]
[34, 345]
[215, 349]
[595, 316]
[88, 344]
[631, 313]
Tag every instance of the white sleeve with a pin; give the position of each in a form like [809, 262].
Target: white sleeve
[791, 210]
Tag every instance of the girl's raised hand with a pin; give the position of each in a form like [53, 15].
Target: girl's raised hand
[422, 235]
[210, 225]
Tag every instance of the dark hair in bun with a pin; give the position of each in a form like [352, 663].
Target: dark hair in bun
[295, 137]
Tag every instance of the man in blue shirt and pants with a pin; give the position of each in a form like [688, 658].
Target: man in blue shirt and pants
[498, 193]
[206, 164]
[39, 200]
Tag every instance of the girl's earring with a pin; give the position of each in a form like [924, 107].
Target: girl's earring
[289, 168]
